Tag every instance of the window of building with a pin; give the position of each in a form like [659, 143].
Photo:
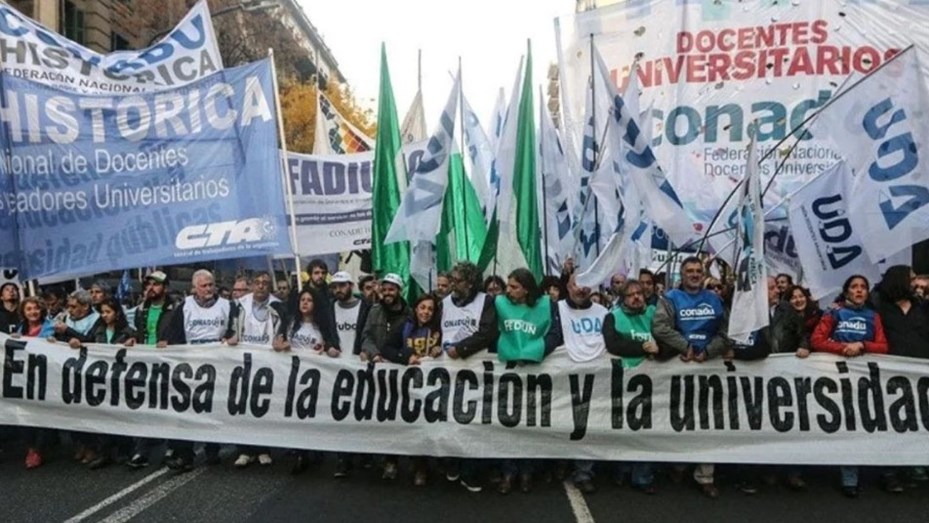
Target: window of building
[72, 22]
[119, 43]
[26, 7]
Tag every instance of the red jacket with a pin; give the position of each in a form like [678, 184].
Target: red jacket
[823, 341]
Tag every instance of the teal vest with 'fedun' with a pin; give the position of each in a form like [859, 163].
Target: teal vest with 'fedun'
[522, 329]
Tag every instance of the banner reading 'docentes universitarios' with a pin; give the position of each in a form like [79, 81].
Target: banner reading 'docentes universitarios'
[186, 54]
[332, 198]
[871, 410]
[98, 182]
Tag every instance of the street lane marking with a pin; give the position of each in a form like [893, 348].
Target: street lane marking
[578, 503]
[154, 496]
[119, 495]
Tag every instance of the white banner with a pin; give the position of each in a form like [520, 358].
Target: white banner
[332, 199]
[872, 410]
[186, 54]
[711, 68]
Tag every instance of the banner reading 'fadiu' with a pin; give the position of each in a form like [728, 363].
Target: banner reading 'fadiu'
[822, 410]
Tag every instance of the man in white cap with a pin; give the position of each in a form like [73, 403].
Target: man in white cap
[390, 309]
[349, 311]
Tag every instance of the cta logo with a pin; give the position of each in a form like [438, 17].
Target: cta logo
[225, 233]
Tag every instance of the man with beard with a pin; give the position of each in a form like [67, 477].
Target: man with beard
[203, 317]
[369, 288]
[349, 312]
[151, 320]
[469, 325]
[577, 324]
[383, 315]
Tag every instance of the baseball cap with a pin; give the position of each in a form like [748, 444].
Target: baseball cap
[341, 277]
[393, 278]
[157, 277]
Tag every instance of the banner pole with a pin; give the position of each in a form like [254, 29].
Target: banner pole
[287, 187]
[548, 269]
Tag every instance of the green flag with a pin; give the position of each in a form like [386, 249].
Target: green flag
[524, 178]
[386, 190]
[463, 229]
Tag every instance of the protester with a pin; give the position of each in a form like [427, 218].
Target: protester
[577, 325]
[803, 305]
[921, 286]
[408, 343]
[647, 280]
[80, 318]
[383, 316]
[627, 332]
[55, 300]
[112, 328]
[240, 287]
[35, 324]
[616, 289]
[203, 317]
[259, 317]
[369, 289]
[443, 286]
[715, 286]
[524, 317]
[469, 325]
[494, 286]
[851, 329]
[9, 307]
[692, 322]
[99, 291]
[318, 272]
[283, 290]
[306, 331]
[784, 283]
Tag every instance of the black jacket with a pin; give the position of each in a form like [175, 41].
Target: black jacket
[9, 321]
[784, 333]
[487, 331]
[140, 322]
[907, 334]
[97, 334]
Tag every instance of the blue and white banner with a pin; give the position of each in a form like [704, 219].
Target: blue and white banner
[881, 129]
[829, 247]
[95, 183]
[332, 198]
[186, 54]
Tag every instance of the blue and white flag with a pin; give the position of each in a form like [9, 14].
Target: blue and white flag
[94, 183]
[553, 169]
[750, 310]
[481, 155]
[829, 247]
[882, 130]
[661, 202]
[420, 214]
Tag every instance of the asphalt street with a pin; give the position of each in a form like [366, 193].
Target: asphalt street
[63, 490]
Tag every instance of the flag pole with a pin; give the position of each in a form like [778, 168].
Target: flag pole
[461, 125]
[287, 186]
[544, 196]
[593, 115]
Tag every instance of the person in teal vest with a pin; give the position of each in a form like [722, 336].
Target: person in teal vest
[627, 332]
[524, 317]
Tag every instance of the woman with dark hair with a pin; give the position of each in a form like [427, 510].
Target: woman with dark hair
[851, 329]
[408, 343]
[494, 286]
[551, 285]
[111, 329]
[524, 316]
[307, 329]
[801, 303]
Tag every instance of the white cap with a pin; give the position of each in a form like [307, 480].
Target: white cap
[393, 278]
[341, 277]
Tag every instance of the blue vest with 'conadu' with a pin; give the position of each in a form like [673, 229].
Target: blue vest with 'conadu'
[696, 316]
[853, 325]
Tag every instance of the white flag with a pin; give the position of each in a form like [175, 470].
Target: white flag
[750, 310]
[829, 247]
[420, 213]
[481, 154]
[881, 129]
[661, 202]
[553, 169]
[414, 123]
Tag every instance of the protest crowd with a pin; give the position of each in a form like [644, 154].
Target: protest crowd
[519, 319]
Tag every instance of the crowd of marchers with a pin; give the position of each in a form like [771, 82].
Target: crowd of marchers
[519, 319]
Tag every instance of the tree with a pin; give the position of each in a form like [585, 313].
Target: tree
[244, 37]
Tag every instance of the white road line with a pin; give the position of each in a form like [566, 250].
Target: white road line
[578, 504]
[154, 496]
[119, 495]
